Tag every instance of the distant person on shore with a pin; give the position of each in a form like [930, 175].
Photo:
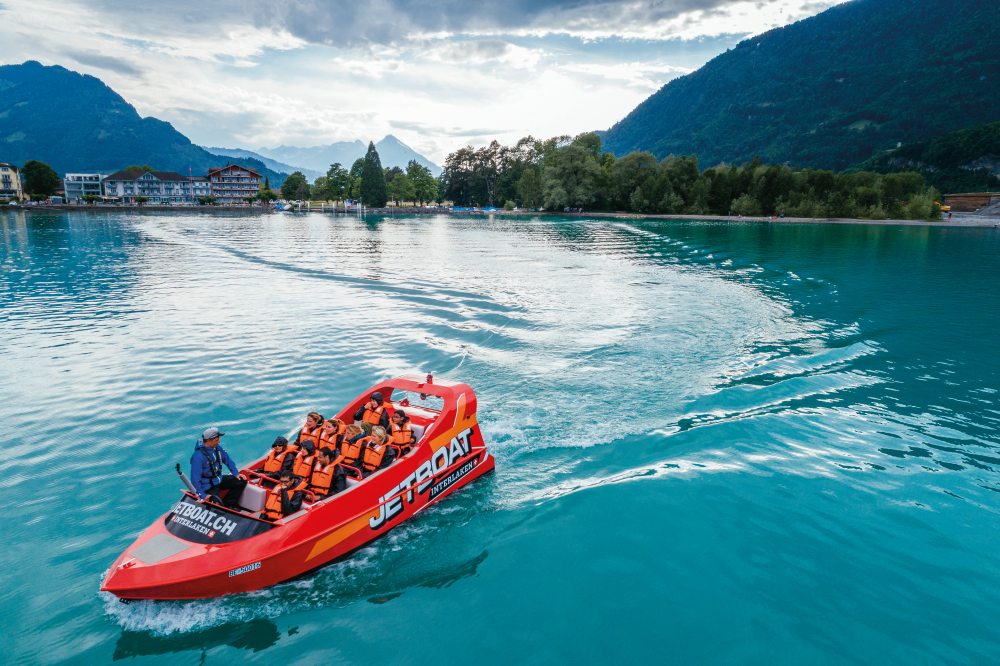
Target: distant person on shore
[206, 470]
[372, 413]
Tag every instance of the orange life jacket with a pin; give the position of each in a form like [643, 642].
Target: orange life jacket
[322, 478]
[309, 435]
[350, 452]
[328, 440]
[373, 416]
[274, 462]
[402, 436]
[272, 505]
[303, 464]
[373, 456]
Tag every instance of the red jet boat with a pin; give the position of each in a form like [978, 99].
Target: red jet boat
[201, 549]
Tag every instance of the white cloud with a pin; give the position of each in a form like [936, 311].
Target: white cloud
[258, 73]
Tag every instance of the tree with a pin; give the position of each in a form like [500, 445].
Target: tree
[338, 182]
[425, 186]
[373, 179]
[295, 187]
[529, 187]
[570, 178]
[38, 179]
[400, 188]
[356, 169]
[139, 167]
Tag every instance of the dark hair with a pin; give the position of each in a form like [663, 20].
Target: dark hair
[285, 474]
[279, 441]
[328, 452]
[377, 393]
[400, 412]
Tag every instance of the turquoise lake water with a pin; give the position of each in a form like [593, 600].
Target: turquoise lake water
[715, 442]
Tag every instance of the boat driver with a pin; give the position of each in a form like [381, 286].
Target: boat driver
[206, 470]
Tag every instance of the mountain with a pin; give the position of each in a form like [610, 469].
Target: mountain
[317, 158]
[274, 165]
[76, 123]
[963, 161]
[831, 90]
[392, 152]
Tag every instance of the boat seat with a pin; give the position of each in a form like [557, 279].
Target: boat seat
[418, 431]
[253, 497]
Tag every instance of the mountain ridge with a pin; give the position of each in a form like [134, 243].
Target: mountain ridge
[831, 90]
[103, 134]
[392, 152]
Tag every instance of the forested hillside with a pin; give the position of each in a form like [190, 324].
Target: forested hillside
[962, 161]
[832, 90]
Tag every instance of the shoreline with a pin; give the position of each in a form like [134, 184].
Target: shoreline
[959, 220]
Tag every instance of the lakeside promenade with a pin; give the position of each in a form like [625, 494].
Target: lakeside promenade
[957, 219]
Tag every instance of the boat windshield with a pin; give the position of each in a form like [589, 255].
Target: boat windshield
[197, 522]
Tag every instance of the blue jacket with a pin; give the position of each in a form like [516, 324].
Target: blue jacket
[206, 467]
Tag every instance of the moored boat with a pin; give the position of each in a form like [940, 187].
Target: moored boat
[199, 548]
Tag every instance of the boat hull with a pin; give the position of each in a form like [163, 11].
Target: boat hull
[159, 565]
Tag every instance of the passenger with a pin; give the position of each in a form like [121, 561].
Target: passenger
[280, 457]
[302, 464]
[328, 477]
[402, 435]
[206, 470]
[285, 498]
[353, 445]
[372, 413]
[331, 434]
[377, 453]
[310, 431]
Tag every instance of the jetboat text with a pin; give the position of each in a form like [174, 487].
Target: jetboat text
[391, 505]
[202, 519]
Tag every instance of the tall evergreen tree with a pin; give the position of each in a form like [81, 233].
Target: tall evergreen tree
[373, 191]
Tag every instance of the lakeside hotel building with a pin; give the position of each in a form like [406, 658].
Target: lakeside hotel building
[233, 183]
[10, 182]
[229, 184]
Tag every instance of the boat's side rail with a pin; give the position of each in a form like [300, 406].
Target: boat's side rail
[475, 451]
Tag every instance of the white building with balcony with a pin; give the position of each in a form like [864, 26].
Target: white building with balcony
[78, 185]
[155, 187]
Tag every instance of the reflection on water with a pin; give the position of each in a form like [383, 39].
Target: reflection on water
[254, 635]
[784, 435]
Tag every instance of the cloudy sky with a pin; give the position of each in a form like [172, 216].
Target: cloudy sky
[439, 75]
